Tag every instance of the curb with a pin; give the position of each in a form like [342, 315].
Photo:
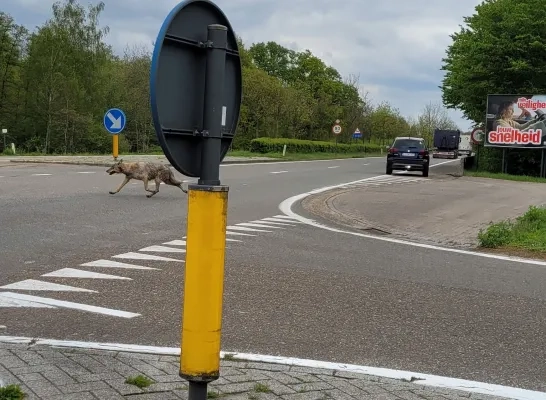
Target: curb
[426, 380]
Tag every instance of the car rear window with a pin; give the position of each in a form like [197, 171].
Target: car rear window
[409, 143]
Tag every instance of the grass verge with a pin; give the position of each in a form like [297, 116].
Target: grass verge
[508, 177]
[12, 392]
[524, 235]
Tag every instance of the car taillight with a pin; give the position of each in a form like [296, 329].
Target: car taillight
[423, 152]
[392, 150]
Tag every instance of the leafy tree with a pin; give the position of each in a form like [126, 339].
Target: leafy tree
[502, 49]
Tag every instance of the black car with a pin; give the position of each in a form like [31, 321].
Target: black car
[408, 154]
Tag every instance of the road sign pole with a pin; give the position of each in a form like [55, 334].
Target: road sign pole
[214, 95]
[206, 236]
[115, 146]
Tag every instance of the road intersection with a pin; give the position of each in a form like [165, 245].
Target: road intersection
[291, 289]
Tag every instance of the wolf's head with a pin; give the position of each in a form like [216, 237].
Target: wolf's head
[115, 169]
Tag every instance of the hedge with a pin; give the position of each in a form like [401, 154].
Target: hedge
[270, 145]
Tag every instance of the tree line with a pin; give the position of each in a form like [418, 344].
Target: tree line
[57, 81]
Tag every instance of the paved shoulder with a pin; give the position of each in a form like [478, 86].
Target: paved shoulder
[44, 372]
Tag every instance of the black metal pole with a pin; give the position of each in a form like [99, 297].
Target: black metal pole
[542, 170]
[214, 99]
[197, 391]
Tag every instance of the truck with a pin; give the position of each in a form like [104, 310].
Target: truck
[465, 144]
[446, 143]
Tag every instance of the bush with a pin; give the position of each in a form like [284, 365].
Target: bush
[269, 145]
[496, 235]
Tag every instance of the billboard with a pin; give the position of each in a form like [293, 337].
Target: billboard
[516, 120]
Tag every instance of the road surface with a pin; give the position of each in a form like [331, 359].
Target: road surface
[291, 289]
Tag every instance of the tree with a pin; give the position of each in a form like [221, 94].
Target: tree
[502, 49]
[433, 116]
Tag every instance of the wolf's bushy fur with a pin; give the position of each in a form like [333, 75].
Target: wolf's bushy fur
[145, 172]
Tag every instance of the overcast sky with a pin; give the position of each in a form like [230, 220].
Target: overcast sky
[396, 46]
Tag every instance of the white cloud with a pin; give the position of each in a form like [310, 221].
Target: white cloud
[395, 46]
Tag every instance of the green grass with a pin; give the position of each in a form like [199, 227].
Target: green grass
[492, 175]
[262, 388]
[12, 392]
[237, 153]
[139, 381]
[527, 232]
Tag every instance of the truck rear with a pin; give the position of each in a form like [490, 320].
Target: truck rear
[446, 143]
[465, 145]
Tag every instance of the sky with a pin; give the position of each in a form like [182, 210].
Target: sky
[394, 46]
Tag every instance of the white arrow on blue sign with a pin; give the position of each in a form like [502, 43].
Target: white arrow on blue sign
[114, 120]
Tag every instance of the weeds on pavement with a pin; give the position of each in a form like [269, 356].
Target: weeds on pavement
[12, 392]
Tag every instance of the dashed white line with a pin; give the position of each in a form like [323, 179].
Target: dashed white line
[278, 172]
[41, 175]
[258, 225]
[78, 273]
[176, 243]
[242, 228]
[332, 167]
[86, 172]
[163, 249]
[25, 300]
[33, 284]
[115, 264]
[143, 256]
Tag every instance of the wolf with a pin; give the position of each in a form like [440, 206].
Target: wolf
[144, 171]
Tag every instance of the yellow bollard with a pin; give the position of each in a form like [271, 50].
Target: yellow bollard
[115, 146]
[204, 283]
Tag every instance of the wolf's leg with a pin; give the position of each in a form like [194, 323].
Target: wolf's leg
[152, 192]
[171, 180]
[125, 181]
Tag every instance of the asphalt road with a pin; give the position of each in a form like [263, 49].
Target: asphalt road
[291, 289]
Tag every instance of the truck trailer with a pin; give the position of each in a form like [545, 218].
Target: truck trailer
[465, 144]
[446, 143]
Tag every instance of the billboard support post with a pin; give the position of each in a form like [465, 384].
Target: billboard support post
[542, 169]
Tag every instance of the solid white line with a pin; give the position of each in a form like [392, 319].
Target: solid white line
[286, 207]
[78, 273]
[115, 264]
[258, 225]
[242, 228]
[163, 249]
[232, 240]
[176, 243]
[68, 304]
[32, 284]
[422, 379]
[142, 256]
[279, 172]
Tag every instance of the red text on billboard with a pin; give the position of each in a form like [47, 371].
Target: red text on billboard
[508, 135]
[531, 104]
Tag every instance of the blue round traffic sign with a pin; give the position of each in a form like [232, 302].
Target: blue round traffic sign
[114, 120]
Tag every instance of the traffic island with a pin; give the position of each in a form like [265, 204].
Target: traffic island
[445, 210]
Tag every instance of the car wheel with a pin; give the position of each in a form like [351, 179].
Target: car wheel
[389, 170]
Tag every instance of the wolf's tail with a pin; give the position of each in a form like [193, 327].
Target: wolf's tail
[173, 181]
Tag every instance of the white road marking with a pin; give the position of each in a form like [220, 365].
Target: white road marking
[286, 217]
[242, 228]
[86, 172]
[261, 221]
[142, 256]
[7, 302]
[332, 167]
[163, 249]
[254, 164]
[32, 284]
[426, 380]
[258, 225]
[279, 172]
[366, 164]
[115, 264]
[286, 207]
[282, 220]
[53, 303]
[78, 273]
[232, 240]
[239, 234]
[41, 175]
[176, 243]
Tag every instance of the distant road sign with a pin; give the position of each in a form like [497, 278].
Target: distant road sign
[357, 134]
[180, 99]
[114, 120]
[336, 129]
[477, 135]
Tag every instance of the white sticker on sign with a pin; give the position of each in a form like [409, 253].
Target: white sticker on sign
[224, 112]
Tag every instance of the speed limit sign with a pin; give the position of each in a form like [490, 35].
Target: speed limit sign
[336, 129]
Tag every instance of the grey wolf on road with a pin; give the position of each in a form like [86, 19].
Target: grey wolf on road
[145, 172]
